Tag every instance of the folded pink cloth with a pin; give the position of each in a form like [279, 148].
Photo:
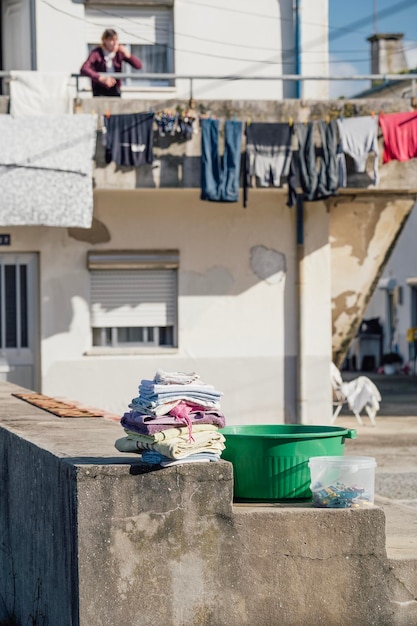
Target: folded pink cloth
[149, 425]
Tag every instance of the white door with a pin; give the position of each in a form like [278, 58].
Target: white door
[19, 315]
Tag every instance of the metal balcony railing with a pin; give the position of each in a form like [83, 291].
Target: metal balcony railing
[383, 79]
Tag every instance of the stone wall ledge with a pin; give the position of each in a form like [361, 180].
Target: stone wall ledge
[90, 536]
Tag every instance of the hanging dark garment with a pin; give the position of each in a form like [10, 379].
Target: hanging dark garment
[268, 154]
[328, 180]
[220, 177]
[129, 139]
[316, 170]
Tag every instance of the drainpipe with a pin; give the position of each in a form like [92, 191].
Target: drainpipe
[297, 46]
[299, 312]
[32, 27]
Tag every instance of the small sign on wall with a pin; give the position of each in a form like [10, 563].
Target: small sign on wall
[5, 240]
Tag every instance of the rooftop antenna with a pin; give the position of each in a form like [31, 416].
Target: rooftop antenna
[375, 15]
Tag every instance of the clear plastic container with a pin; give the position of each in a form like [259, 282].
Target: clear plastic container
[342, 482]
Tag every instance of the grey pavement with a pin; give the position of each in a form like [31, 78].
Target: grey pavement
[393, 443]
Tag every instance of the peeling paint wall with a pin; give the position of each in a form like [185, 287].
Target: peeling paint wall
[363, 229]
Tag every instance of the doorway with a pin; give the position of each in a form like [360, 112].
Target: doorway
[19, 320]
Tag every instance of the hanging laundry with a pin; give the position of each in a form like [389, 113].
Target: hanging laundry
[220, 179]
[400, 135]
[358, 139]
[180, 126]
[268, 154]
[129, 139]
[328, 180]
[166, 123]
[46, 170]
[315, 169]
[303, 168]
[40, 93]
[186, 127]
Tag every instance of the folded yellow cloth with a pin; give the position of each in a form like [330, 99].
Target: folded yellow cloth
[177, 447]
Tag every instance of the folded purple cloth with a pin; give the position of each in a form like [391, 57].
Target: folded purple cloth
[149, 425]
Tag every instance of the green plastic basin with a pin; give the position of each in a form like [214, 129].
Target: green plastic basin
[270, 461]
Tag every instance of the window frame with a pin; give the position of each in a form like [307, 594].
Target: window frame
[134, 261]
[98, 16]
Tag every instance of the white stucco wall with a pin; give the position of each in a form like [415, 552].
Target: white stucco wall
[315, 48]
[316, 319]
[236, 38]
[237, 292]
[217, 333]
[60, 36]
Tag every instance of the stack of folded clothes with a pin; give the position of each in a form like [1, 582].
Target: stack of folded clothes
[175, 419]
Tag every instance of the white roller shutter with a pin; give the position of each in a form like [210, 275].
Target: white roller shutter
[148, 26]
[121, 298]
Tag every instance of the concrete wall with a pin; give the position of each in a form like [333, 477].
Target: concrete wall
[358, 262]
[90, 536]
[225, 283]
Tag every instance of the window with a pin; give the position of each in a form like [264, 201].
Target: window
[133, 298]
[146, 32]
[13, 306]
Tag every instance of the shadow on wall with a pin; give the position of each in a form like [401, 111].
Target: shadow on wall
[267, 264]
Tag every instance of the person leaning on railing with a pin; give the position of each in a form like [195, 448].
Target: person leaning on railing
[107, 58]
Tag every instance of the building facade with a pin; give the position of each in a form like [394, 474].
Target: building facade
[257, 299]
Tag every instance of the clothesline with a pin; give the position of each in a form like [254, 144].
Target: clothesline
[275, 152]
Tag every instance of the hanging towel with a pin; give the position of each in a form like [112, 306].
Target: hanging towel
[359, 138]
[46, 167]
[40, 93]
[129, 139]
[220, 180]
[268, 153]
[400, 136]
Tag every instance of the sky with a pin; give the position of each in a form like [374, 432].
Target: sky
[351, 22]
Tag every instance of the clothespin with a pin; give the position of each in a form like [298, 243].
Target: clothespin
[107, 113]
[372, 113]
[290, 121]
[248, 121]
[327, 119]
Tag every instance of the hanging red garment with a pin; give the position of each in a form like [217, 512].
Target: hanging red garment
[400, 136]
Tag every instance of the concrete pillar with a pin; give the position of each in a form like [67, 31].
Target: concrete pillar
[315, 341]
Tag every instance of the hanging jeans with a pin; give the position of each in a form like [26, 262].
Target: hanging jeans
[220, 181]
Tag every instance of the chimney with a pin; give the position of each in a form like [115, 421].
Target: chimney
[387, 54]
